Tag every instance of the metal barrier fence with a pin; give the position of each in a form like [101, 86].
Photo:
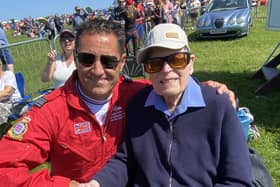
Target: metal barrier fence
[260, 12]
[30, 57]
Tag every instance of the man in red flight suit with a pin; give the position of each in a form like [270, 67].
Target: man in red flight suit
[77, 127]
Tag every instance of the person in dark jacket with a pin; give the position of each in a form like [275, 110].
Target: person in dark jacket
[79, 17]
[78, 127]
[126, 14]
[58, 23]
[179, 132]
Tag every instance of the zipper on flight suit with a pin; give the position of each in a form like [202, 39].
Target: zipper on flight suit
[171, 136]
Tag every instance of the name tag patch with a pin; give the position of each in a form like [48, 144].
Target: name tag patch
[117, 113]
[80, 128]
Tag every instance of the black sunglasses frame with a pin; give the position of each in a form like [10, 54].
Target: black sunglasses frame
[65, 38]
[88, 59]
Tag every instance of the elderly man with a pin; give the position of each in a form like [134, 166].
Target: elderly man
[77, 127]
[179, 132]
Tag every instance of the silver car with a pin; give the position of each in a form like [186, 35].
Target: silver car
[225, 18]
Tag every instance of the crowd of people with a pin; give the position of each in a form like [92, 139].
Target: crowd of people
[136, 17]
[78, 127]
[167, 142]
[35, 27]
[96, 124]
[151, 12]
[139, 17]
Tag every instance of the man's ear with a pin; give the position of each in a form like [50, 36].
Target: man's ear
[191, 63]
[75, 57]
[123, 60]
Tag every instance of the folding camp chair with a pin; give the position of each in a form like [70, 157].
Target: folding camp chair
[18, 107]
[25, 103]
[270, 72]
[132, 68]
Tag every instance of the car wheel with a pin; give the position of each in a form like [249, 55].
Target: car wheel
[197, 36]
[250, 25]
[248, 29]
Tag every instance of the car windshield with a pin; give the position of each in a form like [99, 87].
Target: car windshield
[219, 5]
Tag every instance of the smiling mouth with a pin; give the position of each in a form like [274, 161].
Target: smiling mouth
[168, 80]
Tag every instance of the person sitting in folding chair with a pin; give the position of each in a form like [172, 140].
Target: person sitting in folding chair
[9, 93]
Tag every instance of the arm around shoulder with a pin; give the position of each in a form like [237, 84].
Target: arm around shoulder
[234, 168]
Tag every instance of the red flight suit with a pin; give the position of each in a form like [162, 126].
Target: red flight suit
[61, 129]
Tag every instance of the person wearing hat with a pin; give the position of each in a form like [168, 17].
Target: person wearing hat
[126, 14]
[60, 66]
[118, 13]
[79, 16]
[79, 126]
[178, 132]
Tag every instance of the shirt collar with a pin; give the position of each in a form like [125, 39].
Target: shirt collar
[192, 97]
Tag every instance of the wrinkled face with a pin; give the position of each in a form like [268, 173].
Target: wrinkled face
[170, 82]
[96, 80]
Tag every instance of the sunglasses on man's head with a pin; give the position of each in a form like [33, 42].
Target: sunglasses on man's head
[107, 61]
[176, 61]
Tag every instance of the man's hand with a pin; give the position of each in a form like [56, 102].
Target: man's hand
[222, 88]
[92, 183]
[74, 183]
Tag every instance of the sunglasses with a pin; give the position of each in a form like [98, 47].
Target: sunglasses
[176, 61]
[67, 38]
[107, 61]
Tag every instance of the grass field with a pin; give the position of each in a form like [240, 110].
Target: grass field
[233, 62]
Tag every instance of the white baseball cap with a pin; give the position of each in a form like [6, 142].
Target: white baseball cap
[165, 35]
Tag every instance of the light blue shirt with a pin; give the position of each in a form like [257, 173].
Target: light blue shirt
[3, 37]
[192, 97]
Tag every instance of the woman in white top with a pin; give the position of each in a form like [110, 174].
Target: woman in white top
[9, 93]
[60, 66]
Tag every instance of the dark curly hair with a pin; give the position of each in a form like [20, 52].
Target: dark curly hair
[100, 25]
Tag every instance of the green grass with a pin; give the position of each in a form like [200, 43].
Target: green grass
[233, 62]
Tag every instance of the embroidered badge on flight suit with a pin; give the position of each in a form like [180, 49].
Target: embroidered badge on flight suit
[83, 127]
[117, 113]
[40, 102]
[17, 131]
